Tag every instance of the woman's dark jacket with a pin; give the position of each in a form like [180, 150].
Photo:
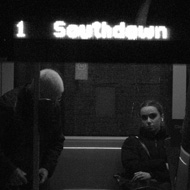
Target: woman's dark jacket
[135, 157]
[16, 134]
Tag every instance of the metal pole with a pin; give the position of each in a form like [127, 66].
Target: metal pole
[1, 78]
[183, 172]
[36, 136]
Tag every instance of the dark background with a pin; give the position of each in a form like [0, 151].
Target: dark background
[172, 13]
[85, 109]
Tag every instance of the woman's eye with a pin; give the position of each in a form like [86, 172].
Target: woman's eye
[151, 116]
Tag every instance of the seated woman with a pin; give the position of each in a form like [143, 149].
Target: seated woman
[144, 156]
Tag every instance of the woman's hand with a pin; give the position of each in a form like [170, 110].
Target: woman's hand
[141, 176]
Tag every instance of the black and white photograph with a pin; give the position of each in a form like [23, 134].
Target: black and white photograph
[94, 95]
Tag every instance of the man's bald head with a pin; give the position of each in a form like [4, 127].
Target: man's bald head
[51, 84]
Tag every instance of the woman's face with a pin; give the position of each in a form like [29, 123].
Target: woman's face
[151, 118]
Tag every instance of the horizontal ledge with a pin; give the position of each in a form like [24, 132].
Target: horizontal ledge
[93, 148]
[94, 138]
[87, 189]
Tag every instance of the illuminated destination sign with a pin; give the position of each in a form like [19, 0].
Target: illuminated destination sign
[100, 30]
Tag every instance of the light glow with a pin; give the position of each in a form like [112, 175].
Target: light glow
[102, 30]
[20, 32]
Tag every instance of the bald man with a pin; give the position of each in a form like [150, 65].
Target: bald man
[16, 129]
[51, 84]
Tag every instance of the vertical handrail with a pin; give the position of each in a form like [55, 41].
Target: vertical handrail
[36, 136]
[1, 78]
[183, 173]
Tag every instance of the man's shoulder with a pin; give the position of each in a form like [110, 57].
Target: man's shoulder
[9, 98]
[132, 137]
[131, 140]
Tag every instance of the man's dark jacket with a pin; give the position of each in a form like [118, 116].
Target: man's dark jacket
[16, 134]
[135, 157]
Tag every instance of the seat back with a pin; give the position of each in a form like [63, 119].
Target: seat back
[88, 163]
[182, 179]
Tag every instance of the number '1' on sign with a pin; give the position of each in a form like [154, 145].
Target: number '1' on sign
[20, 30]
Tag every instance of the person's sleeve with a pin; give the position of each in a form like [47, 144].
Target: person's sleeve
[132, 161]
[157, 164]
[160, 175]
[130, 156]
[6, 166]
[52, 154]
[54, 148]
